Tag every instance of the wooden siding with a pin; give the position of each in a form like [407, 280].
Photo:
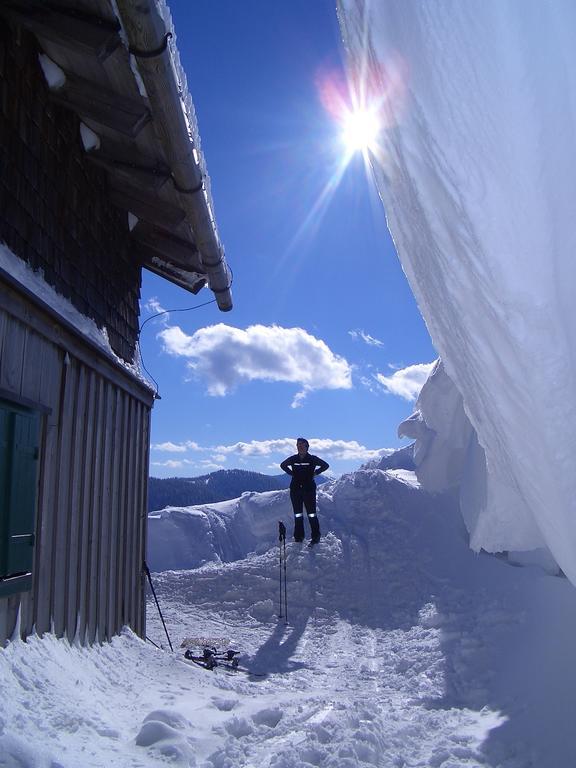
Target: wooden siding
[92, 484]
[55, 208]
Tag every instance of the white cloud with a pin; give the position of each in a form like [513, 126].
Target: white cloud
[224, 357]
[209, 466]
[299, 398]
[325, 447]
[406, 382]
[281, 447]
[346, 449]
[170, 447]
[173, 463]
[370, 384]
[156, 311]
[370, 340]
[153, 305]
[284, 445]
[206, 465]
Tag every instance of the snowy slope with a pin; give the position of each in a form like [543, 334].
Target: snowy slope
[477, 172]
[403, 648]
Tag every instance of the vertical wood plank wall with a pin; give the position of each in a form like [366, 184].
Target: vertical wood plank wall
[92, 495]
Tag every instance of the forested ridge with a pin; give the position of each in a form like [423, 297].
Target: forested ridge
[217, 486]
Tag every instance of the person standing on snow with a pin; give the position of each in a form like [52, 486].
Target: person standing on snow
[302, 466]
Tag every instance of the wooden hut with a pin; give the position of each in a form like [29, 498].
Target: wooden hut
[101, 174]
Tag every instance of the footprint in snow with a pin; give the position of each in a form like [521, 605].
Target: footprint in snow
[225, 705]
[270, 717]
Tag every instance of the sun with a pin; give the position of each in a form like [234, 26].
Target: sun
[360, 131]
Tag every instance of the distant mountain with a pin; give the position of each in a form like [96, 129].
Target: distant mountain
[217, 486]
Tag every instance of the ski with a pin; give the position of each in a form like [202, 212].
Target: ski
[211, 659]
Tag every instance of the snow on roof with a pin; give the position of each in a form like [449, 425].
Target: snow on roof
[34, 282]
[187, 104]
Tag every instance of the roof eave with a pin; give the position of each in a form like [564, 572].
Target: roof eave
[148, 40]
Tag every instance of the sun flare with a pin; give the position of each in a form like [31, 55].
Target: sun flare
[360, 131]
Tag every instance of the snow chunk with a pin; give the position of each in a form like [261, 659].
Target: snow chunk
[442, 432]
[448, 455]
[168, 717]
[263, 610]
[239, 727]
[90, 139]
[405, 476]
[55, 76]
[153, 731]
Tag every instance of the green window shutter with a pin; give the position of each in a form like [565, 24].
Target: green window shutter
[19, 431]
[22, 517]
[5, 464]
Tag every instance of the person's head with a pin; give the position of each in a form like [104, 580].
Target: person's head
[302, 445]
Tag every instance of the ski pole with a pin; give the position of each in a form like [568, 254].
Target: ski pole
[147, 572]
[285, 582]
[282, 540]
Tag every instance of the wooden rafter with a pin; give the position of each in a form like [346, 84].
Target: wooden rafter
[78, 32]
[101, 105]
[167, 246]
[145, 204]
[126, 163]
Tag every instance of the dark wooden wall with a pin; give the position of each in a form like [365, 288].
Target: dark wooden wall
[54, 207]
[91, 526]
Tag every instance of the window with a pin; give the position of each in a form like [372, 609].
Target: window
[19, 435]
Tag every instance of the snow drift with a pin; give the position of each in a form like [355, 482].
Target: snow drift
[186, 537]
[222, 532]
[477, 172]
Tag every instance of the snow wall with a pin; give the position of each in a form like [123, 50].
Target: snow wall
[180, 538]
[476, 167]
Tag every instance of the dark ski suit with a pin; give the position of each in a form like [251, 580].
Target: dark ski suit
[303, 491]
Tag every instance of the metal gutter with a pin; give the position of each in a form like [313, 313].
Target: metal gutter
[148, 43]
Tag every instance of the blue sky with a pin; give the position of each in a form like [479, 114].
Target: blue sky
[324, 327]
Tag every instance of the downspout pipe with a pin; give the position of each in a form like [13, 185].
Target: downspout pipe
[147, 38]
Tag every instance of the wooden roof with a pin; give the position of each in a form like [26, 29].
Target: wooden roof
[140, 110]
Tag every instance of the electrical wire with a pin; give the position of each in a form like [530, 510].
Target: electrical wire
[163, 312]
[167, 312]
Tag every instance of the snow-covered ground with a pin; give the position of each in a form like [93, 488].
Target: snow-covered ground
[403, 648]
